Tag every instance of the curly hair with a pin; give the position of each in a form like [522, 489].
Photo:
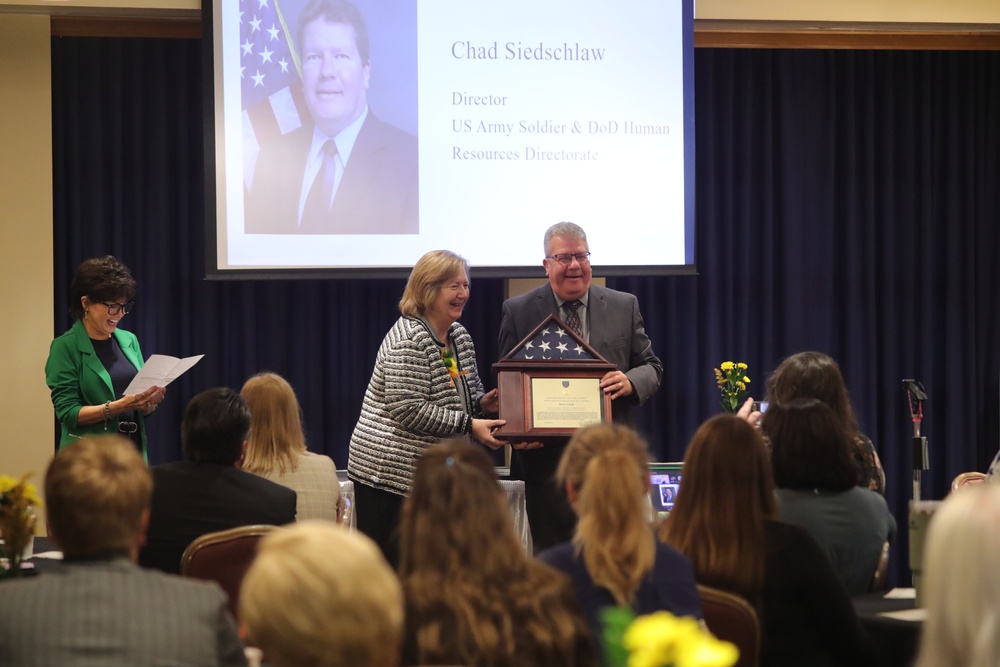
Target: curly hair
[101, 279]
[472, 596]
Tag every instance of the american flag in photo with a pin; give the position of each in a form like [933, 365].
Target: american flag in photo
[551, 342]
[270, 80]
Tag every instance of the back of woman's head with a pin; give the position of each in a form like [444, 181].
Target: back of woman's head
[726, 494]
[472, 595]
[813, 375]
[810, 449]
[455, 520]
[961, 589]
[606, 470]
[319, 595]
[276, 437]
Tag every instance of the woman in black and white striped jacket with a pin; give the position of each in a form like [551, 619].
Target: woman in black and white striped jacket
[425, 387]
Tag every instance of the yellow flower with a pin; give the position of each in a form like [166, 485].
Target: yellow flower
[661, 639]
[7, 483]
[708, 652]
[732, 383]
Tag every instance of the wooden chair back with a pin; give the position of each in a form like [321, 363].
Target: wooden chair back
[731, 618]
[224, 557]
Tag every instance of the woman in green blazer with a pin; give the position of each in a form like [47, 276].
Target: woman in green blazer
[90, 365]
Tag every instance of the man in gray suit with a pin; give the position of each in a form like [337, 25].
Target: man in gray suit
[611, 323]
[98, 607]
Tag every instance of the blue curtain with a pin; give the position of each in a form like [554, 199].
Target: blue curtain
[847, 202]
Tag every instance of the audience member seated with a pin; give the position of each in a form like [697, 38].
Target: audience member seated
[615, 558]
[724, 521]
[98, 607]
[817, 375]
[472, 595]
[960, 588]
[322, 596]
[276, 448]
[816, 475]
[207, 491]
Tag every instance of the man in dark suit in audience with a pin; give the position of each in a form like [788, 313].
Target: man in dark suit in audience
[611, 323]
[98, 607]
[207, 491]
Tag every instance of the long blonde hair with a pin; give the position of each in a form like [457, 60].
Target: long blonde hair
[607, 465]
[276, 439]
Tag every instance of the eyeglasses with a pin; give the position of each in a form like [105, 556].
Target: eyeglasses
[567, 258]
[115, 308]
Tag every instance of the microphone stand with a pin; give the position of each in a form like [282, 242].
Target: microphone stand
[916, 396]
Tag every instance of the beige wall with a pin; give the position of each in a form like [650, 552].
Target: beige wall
[892, 11]
[25, 243]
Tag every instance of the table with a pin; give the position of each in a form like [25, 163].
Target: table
[896, 641]
[513, 490]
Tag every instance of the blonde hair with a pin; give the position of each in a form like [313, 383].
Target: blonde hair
[322, 596]
[96, 491]
[428, 276]
[276, 439]
[608, 467]
[961, 590]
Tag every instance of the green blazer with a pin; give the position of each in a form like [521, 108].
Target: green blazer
[76, 377]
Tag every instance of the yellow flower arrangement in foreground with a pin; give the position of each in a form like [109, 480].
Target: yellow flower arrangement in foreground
[662, 640]
[17, 518]
[732, 381]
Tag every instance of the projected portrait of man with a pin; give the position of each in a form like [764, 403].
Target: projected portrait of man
[343, 171]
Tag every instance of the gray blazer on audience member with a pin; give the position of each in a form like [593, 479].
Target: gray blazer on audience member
[112, 613]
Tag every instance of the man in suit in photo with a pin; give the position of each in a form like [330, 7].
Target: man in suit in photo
[98, 607]
[345, 171]
[207, 491]
[611, 323]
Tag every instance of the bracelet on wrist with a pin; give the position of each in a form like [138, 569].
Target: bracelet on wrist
[107, 413]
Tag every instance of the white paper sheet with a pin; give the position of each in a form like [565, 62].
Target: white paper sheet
[159, 371]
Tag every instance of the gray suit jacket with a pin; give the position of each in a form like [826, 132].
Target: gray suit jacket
[616, 332]
[111, 613]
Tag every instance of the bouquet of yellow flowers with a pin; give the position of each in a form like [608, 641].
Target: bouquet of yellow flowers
[662, 640]
[732, 380]
[17, 519]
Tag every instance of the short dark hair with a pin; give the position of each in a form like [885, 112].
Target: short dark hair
[335, 11]
[810, 448]
[813, 375]
[102, 279]
[215, 424]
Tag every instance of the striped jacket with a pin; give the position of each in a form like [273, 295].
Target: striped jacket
[411, 402]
